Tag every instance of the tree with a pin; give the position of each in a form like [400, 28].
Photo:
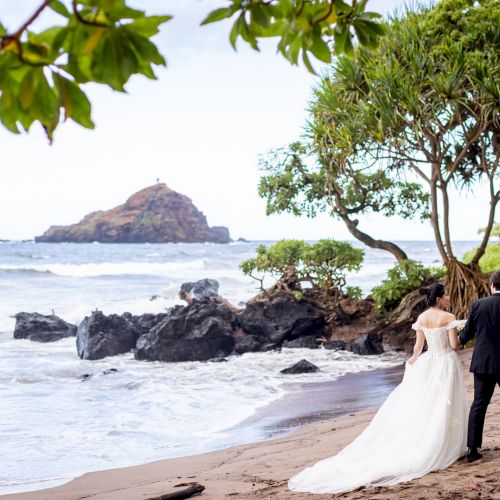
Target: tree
[425, 102]
[323, 265]
[295, 185]
[106, 42]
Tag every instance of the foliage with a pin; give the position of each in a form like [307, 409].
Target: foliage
[106, 42]
[425, 103]
[489, 262]
[323, 264]
[295, 185]
[495, 231]
[401, 279]
[303, 27]
[101, 41]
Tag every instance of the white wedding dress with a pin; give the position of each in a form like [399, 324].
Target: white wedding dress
[421, 427]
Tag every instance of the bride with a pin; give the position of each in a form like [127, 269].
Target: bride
[421, 427]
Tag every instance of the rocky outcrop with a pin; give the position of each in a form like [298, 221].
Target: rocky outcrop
[201, 289]
[156, 214]
[282, 319]
[40, 328]
[199, 331]
[302, 366]
[368, 344]
[395, 326]
[100, 336]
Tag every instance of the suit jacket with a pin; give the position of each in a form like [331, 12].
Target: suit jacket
[484, 324]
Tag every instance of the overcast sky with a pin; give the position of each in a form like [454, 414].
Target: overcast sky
[199, 129]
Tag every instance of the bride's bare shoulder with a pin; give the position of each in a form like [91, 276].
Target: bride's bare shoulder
[449, 317]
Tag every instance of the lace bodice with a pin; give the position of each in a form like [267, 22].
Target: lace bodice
[437, 338]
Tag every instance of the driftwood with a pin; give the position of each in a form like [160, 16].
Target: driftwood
[192, 490]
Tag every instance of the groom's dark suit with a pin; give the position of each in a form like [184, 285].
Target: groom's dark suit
[484, 324]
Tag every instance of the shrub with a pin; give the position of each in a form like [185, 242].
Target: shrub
[403, 278]
[490, 261]
[323, 264]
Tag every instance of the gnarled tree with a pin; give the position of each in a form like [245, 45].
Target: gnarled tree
[425, 103]
[296, 185]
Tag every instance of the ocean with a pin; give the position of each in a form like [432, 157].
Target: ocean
[61, 416]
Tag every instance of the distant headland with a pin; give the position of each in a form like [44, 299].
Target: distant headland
[156, 214]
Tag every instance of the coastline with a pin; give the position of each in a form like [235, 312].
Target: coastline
[261, 470]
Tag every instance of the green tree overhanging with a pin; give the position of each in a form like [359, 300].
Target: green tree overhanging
[107, 42]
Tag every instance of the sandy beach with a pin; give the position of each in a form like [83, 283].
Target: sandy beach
[261, 470]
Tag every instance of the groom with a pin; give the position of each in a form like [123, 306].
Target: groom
[484, 324]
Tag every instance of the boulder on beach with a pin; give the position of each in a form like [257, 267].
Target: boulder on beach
[201, 289]
[368, 344]
[40, 328]
[302, 366]
[200, 331]
[99, 336]
[280, 319]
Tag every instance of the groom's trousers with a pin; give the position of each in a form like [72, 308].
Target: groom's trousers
[484, 386]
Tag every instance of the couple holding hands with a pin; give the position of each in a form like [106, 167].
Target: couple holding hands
[424, 425]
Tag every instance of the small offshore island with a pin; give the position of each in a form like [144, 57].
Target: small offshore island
[156, 214]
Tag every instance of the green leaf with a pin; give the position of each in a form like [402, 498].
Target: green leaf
[307, 63]
[321, 50]
[235, 31]
[261, 16]
[74, 101]
[218, 15]
[147, 26]
[340, 35]
[28, 87]
[60, 8]
[45, 102]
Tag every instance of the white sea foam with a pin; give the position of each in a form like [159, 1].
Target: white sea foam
[113, 268]
[138, 413]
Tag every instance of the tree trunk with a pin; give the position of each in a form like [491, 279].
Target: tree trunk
[465, 284]
[371, 242]
[435, 216]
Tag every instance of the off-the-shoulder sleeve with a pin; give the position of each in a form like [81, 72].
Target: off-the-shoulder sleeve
[458, 324]
[416, 326]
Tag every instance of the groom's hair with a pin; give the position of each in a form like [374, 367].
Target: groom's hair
[495, 280]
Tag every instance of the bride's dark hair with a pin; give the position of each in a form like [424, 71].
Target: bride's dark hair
[433, 292]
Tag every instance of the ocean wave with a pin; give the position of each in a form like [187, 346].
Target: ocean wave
[111, 268]
[24, 271]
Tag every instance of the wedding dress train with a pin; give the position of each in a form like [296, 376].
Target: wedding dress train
[421, 427]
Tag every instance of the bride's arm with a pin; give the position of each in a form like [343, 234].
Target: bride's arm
[453, 338]
[417, 348]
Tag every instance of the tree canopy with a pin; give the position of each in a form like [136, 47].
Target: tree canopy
[424, 104]
[323, 265]
[107, 42]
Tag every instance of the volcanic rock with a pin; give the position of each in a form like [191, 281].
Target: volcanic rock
[40, 328]
[199, 331]
[367, 344]
[100, 336]
[302, 366]
[282, 318]
[201, 289]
